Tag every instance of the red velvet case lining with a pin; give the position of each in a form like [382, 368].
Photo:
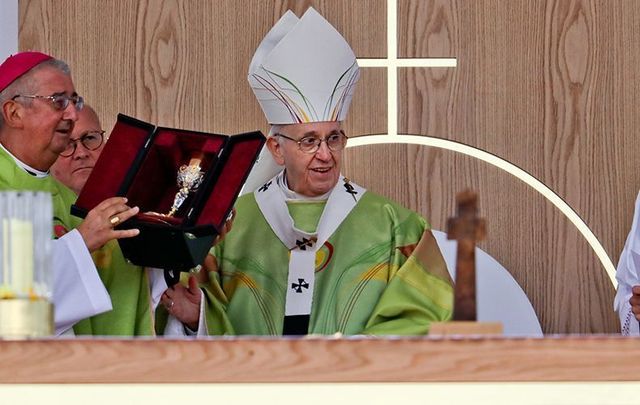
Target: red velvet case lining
[242, 156]
[125, 141]
[154, 186]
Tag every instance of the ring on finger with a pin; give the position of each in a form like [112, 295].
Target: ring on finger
[114, 220]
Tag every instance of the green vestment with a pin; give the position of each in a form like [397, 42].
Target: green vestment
[377, 273]
[13, 177]
[127, 285]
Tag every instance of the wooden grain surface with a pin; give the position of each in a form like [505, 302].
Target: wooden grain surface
[551, 86]
[574, 358]
[547, 86]
[185, 63]
[562, 277]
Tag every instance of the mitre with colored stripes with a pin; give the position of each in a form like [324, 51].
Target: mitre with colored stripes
[303, 71]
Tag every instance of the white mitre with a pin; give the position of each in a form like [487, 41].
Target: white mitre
[303, 71]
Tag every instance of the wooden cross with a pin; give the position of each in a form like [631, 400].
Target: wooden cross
[466, 228]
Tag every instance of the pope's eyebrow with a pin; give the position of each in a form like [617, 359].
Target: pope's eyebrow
[316, 135]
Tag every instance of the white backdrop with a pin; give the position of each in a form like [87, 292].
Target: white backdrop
[8, 28]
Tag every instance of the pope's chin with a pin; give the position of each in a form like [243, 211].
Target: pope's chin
[321, 183]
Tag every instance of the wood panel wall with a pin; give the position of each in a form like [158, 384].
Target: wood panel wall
[551, 86]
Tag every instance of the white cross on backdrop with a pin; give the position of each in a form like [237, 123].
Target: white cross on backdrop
[392, 63]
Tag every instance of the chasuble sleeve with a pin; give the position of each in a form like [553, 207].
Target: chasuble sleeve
[419, 291]
[217, 320]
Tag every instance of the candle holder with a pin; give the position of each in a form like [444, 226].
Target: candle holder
[25, 256]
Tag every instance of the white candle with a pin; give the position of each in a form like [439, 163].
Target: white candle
[25, 222]
[21, 256]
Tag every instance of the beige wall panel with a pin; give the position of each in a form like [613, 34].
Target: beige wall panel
[426, 102]
[368, 112]
[549, 86]
[98, 45]
[427, 28]
[184, 63]
[563, 278]
[492, 90]
[608, 173]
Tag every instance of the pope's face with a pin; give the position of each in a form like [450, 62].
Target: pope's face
[73, 171]
[48, 129]
[309, 174]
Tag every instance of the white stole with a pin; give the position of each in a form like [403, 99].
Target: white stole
[303, 245]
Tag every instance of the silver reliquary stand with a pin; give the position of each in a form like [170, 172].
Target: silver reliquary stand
[25, 255]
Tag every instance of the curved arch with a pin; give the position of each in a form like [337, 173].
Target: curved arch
[508, 167]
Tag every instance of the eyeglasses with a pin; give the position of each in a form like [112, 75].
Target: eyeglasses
[91, 140]
[59, 101]
[311, 144]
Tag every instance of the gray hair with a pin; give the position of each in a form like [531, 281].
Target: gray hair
[27, 84]
[273, 130]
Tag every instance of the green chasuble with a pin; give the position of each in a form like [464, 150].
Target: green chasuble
[127, 285]
[13, 177]
[377, 273]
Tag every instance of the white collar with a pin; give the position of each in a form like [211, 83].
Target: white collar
[24, 166]
[303, 245]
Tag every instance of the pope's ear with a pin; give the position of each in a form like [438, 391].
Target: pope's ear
[12, 113]
[276, 150]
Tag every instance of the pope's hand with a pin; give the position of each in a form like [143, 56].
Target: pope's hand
[184, 302]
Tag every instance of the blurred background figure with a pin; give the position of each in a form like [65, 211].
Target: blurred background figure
[76, 162]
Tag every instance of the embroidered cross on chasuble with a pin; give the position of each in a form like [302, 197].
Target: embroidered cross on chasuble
[265, 186]
[301, 284]
[303, 245]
